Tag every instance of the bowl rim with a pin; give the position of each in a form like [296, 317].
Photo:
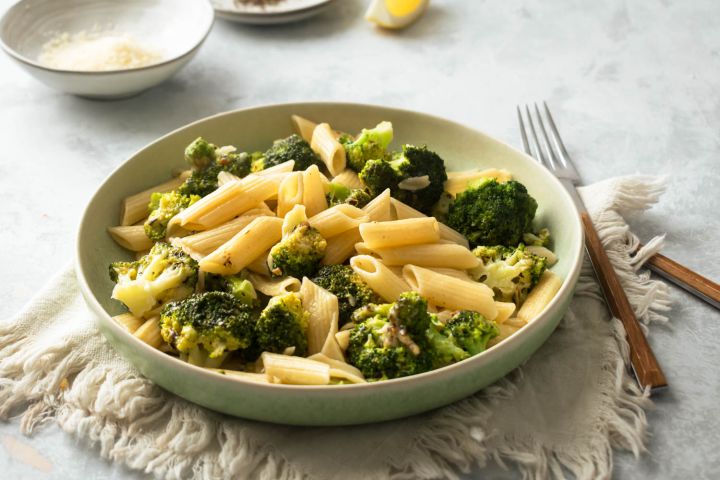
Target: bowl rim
[27, 61]
[320, 4]
[164, 360]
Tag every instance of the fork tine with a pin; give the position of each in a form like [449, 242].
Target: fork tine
[549, 151]
[564, 156]
[523, 135]
[535, 146]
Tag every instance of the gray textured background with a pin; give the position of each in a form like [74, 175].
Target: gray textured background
[633, 85]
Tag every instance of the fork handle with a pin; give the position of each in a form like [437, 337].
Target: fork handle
[646, 367]
[683, 277]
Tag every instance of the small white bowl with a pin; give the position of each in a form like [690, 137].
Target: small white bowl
[175, 28]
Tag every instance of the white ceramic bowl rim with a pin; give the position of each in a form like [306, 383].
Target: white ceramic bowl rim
[287, 10]
[22, 58]
[566, 290]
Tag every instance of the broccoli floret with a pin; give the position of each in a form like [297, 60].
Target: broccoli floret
[470, 331]
[164, 206]
[283, 324]
[540, 239]
[388, 340]
[444, 350]
[350, 290]
[299, 253]
[510, 272]
[165, 273]
[200, 154]
[371, 144]
[206, 326]
[415, 176]
[236, 285]
[493, 213]
[204, 181]
[285, 149]
[339, 193]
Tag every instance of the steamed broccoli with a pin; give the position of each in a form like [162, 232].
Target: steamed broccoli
[204, 181]
[388, 340]
[510, 272]
[236, 285]
[540, 239]
[299, 253]
[206, 326]
[493, 213]
[283, 324]
[444, 350]
[164, 206]
[470, 331]
[165, 273]
[416, 176]
[285, 149]
[350, 290]
[339, 193]
[371, 144]
[200, 154]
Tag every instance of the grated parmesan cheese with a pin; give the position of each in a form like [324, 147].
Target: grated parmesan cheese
[96, 51]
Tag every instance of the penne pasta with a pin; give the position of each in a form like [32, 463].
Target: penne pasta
[543, 252]
[135, 207]
[341, 247]
[303, 127]
[349, 178]
[362, 249]
[323, 308]
[290, 193]
[260, 265]
[330, 151]
[295, 370]
[273, 287]
[451, 272]
[506, 330]
[447, 255]
[131, 237]
[285, 167]
[247, 245]
[340, 369]
[505, 311]
[450, 292]
[400, 232]
[379, 277]
[338, 219]
[129, 321]
[294, 217]
[379, 207]
[540, 296]
[343, 339]
[227, 177]
[402, 211]
[149, 332]
[458, 182]
[313, 191]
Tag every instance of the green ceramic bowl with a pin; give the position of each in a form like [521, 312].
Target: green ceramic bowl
[254, 129]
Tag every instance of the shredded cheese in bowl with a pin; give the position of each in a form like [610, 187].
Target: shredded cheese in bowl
[96, 51]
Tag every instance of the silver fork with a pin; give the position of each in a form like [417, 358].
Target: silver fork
[549, 151]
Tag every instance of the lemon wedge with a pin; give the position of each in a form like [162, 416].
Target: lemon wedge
[395, 13]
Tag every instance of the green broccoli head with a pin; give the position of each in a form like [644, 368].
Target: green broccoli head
[371, 144]
[470, 331]
[415, 176]
[283, 324]
[493, 213]
[164, 206]
[286, 149]
[165, 273]
[540, 239]
[510, 272]
[299, 253]
[236, 285]
[350, 290]
[207, 326]
[443, 349]
[200, 154]
[204, 181]
[339, 193]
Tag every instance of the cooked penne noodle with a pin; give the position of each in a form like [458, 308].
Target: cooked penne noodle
[339, 368]
[273, 287]
[379, 277]
[516, 322]
[341, 247]
[290, 193]
[247, 245]
[313, 191]
[303, 127]
[343, 339]
[543, 252]
[135, 207]
[400, 232]
[540, 296]
[505, 311]
[448, 255]
[331, 347]
[379, 207]
[227, 202]
[450, 292]
[330, 151]
[506, 330]
[294, 217]
[295, 370]
[149, 332]
[260, 265]
[402, 211]
[458, 181]
[285, 167]
[349, 178]
[201, 244]
[132, 237]
[323, 308]
[227, 177]
[338, 219]
[451, 272]
[362, 249]
[129, 321]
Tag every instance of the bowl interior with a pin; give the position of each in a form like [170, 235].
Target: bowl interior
[171, 27]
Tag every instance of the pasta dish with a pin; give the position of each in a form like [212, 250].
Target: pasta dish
[329, 259]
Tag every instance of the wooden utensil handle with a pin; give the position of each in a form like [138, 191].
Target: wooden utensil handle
[643, 360]
[682, 276]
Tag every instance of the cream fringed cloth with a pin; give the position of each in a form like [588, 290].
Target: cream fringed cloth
[561, 413]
